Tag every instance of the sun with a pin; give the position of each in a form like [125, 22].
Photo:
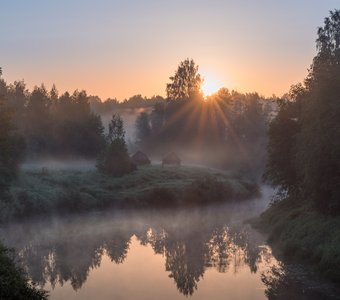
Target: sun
[210, 86]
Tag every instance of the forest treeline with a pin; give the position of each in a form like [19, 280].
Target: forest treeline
[226, 130]
[304, 163]
[304, 137]
[110, 105]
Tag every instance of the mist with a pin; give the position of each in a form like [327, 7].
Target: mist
[48, 245]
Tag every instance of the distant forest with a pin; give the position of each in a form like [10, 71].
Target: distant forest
[227, 129]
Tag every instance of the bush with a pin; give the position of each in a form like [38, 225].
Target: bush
[206, 190]
[115, 160]
[13, 283]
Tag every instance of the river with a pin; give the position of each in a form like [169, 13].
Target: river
[201, 253]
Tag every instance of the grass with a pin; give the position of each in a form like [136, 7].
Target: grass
[37, 193]
[301, 234]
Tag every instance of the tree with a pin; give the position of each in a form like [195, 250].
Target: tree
[304, 138]
[14, 284]
[12, 147]
[186, 82]
[38, 121]
[116, 129]
[77, 131]
[143, 129]
[319, 138]
[114, 159]
[281, 150]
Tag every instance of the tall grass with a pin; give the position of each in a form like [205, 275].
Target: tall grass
[299, 233]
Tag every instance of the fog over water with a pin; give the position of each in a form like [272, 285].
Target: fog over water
[166, 254]
[208, 252]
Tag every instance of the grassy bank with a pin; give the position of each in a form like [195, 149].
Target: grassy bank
[37, 192]
[300, 234]
[13, 283]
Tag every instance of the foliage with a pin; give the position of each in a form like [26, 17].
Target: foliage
[35, 193]
[304, 138]
[320, 118]
[114, 159]
[11, 147]
[52, 124]
[116, 129]
[281, 168]
[14, 285]
[37, 119]
[77, 131]
[186, 82]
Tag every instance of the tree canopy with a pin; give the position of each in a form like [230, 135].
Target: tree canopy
[186, 82]
[304, 138]
[114, 159]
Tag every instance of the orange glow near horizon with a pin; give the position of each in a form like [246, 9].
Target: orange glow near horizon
[117, 49]
[122, 83]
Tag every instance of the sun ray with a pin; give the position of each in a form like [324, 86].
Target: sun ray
[190, 120]
[201, 123]
[214, 125]
[176, 116]
[230, 129]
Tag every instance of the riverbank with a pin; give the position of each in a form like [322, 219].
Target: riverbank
[44, 192]
[298, 233]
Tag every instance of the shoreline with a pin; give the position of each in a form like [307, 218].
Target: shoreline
[51, 192]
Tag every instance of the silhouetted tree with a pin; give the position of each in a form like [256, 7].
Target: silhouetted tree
[319, 139]
[38, 122]
[281, 151]
[186, 82]
[114, 159]
[304, 138]
[77, 131]
[11, 147]
[14, 285]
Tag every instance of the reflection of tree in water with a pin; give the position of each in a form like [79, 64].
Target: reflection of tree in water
[221, 249]
[68, 254]
[117, 247]
[185, 262]
[62, 261]
[155, 238]
[189, 245]
[73, 262]
[184, 255]
[188, 253]
[293, 282]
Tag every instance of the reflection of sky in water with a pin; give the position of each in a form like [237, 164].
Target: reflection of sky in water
[202, 253]
[142, 276]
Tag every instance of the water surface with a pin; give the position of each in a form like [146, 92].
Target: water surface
[201, 253]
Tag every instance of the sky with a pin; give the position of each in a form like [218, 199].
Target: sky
[118, 49]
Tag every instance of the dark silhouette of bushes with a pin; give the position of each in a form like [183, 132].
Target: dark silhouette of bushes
[14, 285]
